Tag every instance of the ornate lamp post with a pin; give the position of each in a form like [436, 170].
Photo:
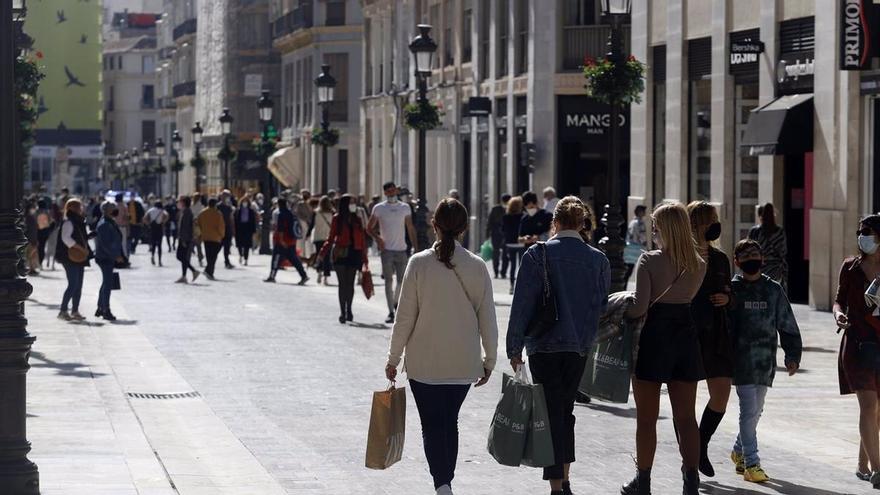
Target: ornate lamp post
[265, 105]
[226, 129]
[135, 166]
[176, 145]
[126, 161]
[423, 49]
[147, 157]
[197, 143]
[160, 169]
[18, 475]
[615, 12]
[326, 85]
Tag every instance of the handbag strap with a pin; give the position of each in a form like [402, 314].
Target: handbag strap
[466, 293]
[667, 289]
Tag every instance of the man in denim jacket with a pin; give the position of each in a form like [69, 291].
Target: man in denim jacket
[580, 277]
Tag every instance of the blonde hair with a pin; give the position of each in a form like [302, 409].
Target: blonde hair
[571, 213]
[702, 215]
[71, 202]
[672, 221]
[515, 205]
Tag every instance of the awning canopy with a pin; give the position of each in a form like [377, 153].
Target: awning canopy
[287, 166]
[782, 127]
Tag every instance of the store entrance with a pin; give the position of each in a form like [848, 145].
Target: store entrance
[798, 196]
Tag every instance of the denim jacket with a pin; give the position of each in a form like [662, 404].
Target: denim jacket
[108, 244]
[580, 276]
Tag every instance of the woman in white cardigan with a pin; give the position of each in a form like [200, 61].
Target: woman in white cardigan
[446, 324]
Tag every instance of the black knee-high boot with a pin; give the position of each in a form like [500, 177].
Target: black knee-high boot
[708, 424]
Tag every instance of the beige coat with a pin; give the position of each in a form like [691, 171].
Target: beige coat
[441, 327]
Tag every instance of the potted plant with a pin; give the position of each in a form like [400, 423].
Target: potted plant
[615, 84]
[421, 116]
[328, 138]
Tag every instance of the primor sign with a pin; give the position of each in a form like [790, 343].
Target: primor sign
[857, 36]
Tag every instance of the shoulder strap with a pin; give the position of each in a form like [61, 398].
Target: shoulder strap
[464, 288]
[667, 289]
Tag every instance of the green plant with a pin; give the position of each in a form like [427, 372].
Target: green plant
[27, 81]
[227, 154]
[177, 166]
[264, 147]
[421, 116]
[328, 138]
[197, 162]
[615, 85]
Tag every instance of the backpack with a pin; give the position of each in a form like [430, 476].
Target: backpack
[297, 229]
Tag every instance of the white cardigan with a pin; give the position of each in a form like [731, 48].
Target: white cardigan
[439, 325]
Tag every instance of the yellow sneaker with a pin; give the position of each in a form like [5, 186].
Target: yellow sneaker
[755, 474]
[738, 462]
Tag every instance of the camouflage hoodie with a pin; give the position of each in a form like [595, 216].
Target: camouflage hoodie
[761, 309]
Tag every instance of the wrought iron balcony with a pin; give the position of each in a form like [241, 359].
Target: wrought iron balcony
[185, 89]
[186, 27]
[301, 17]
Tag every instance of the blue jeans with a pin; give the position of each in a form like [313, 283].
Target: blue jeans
[106, 285]
[74, 286]
[751, 405]
[438, 407]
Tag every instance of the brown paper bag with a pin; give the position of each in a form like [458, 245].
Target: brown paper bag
[387, 428]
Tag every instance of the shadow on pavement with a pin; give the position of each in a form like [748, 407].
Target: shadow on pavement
[781, 486]
[820, 350]
[78, 370]
[629, 412]
[47, 306]
[371, 326]
[124, 323]
[87, 323]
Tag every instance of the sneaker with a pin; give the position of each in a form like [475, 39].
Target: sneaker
[77, 316]
[181, 280]
[270, 280]
[196, 275]
[342, 319]
[738, 462]
[303, 281]
[444, 490]
[390, 318]
[63, 315]
[864, 476]
[209, 276]
[875, 480]
[756, 474]
[99, 313]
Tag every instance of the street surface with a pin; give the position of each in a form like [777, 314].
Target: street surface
[285, 394]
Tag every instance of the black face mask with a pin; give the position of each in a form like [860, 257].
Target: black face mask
[713, 232]
[751, 267]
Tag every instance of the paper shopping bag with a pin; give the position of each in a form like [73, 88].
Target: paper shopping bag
[609, 368]
[507, 435]
[539, 442]
[387, 428]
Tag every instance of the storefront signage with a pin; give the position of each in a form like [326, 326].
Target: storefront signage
[786, 70]
[591, 123]
[856, 33]
[745, 52]
[585, 120]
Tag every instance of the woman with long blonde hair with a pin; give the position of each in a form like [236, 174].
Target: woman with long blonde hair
[667, 279]
[73, 236]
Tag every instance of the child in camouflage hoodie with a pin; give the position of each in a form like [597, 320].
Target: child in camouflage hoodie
[761, 310]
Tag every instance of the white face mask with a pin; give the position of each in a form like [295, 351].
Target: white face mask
[353, 208]
[868, 244]
[531, 211]
[392, 199]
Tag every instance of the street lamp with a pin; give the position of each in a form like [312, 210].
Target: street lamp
[423, 49]
[197, 142]
[615, 12]
[326, 85]
[176, 145]
[265, 106]
[160, 169]
[226, 128]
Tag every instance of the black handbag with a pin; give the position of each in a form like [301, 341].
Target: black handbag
[546, 314]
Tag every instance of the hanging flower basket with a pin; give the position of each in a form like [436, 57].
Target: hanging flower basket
[328, 138]
[615, 85]
[27, 80]
[177, 166]
[197, 162]
[224, 154]
[264, 148]
[421, 116]
[160, 169]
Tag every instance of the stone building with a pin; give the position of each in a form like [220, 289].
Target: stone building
[746, 103]
[525, 56]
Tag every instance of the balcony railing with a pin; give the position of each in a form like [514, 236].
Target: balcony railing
[166, 53]
[166, 103]
[580, 42]
[185, 89]
[299, 18]
[186, 27]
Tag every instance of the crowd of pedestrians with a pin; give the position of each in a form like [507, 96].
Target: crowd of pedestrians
[698, 321]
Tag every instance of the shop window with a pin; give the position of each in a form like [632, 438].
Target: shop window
[503, 27]
[746, 168]
[700, 137]
[580, 13]
[467, 22]
[522, 36]
[485, 22]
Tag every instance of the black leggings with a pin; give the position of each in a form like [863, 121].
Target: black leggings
[184, 252]
[346, 276]
[438, 407]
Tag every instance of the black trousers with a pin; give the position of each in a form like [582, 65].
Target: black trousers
[560, 373]
[438, 407]
[184, 252]
[212, 249]
[499, 256]
[227, 249]
[346, 275]
[513, 255]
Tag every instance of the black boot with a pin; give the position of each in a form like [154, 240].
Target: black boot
[691, 482]
[708, 424]
[640, 485]
[566, 488]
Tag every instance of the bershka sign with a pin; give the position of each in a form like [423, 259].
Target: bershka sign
[856, 33]
[745, 52]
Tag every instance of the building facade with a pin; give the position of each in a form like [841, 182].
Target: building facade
[309, 34]
[746, 103]
[525, 56]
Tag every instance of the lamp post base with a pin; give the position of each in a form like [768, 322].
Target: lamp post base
[613, 245]
[420, 222]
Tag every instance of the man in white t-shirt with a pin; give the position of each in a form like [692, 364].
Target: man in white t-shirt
[550, 199]
[389, 224]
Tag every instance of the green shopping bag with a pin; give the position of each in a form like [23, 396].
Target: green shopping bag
[539, 442]
[507, 435]
[609, 367]
[486, 250]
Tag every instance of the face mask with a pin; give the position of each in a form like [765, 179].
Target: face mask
[352, 208]
[531, 211]
[751, 267]
[868, 244]
[713, 232]
[392, 199]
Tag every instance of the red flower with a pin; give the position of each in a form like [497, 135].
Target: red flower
[631, 58]
[39, 54]
[589, 61]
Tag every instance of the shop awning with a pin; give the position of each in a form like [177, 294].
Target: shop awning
[782, 127]
[287, 166]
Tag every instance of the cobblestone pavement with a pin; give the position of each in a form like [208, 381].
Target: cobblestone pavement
[295, 387]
